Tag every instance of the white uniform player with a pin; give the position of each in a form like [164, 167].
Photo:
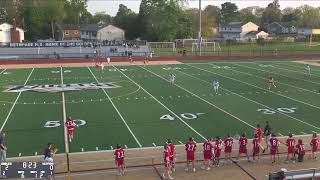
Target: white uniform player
[216, 86]
[102, 66]
[172, 78]
[108, 60]
[308, 70]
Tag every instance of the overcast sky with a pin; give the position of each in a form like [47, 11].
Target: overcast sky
[111, 6]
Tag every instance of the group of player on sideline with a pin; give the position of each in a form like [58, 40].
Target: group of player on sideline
[212, 151]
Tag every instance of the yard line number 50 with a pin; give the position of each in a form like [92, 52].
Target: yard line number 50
[281, 110]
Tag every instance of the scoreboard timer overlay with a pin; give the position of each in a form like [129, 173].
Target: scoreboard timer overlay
[137, 106]
[27, 170]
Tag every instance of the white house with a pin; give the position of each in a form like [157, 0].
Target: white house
[237, 30]
[254, 35]
[99, 32]
[5, 33]
[305, 32]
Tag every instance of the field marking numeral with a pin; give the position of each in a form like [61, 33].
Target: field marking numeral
[282, 110]
[54, 124]
[222, 67]
[188, 116]
[264, 65]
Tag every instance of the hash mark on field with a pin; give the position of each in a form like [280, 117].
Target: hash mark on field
[180, 142]
[154, 144]
[111, 147]
[36, 153]
[126, 146]
[82, 150]
[97, 149]
[19, 154]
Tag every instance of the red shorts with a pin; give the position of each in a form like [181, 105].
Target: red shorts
[218, 153]
[290, 149]
[243, 150]
[314, 149]
[260, 139]
[207, 155]
[70, 131]
[228, 149]
[171, 159]
[167, 164]
[119, 162]
[256, 150]
[190, 156]
[273, 151]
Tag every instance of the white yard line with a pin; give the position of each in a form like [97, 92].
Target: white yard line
[213, 105]
[162, 104]
[275, 73]
[15, 102]
[300, 72]
[64, 114]
[253, 100]
[277, 81]
[114, 106]
[3, 71]
[257, 87]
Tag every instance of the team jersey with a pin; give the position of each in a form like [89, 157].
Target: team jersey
[191, 147]
[300, 149]
[172, 148]
[274, 142]
[259, 132]
[255, 143]
[207, 147]
[228, 142]
[166, 156]
[215, 83]
[291, 142]
[243, 141]
[70, 124]
[218, 144]
[314, 143]
[271, 80]
[119, 154]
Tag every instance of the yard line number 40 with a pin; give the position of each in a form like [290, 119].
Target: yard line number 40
[187, 116]
[281, 110]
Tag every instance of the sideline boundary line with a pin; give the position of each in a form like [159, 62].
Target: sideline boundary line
[64, 114]
[291, 70]
[15, 102]
[162, 104]
[303, 122]
[215, 106]
[3, 71]
[114, 106]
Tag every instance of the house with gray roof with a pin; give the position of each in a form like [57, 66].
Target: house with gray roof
[237, 30]
[100, 32]
[281, 28]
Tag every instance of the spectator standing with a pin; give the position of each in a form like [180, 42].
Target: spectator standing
[267, 133]
[3, 147]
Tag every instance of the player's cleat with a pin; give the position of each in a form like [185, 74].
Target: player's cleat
[194, 169]
[186, 169]
[202, 167]
[264, 150]
[170, 177]
[119, 174]
[208, 168]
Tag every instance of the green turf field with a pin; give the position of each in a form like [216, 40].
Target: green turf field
[144, 108]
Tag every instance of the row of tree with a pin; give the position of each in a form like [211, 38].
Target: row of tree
[157, 20]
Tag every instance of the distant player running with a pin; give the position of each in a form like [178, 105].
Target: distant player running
[216, 86]
[308, 70]
[271, 82]
[172, 78]
[70, 127]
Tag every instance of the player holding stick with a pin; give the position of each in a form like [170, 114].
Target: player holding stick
[228, 142]
[291, 142]
[314, 145]
[70, 127]
[207, 153]
[271, 82]
[274, 143]
[256, 147]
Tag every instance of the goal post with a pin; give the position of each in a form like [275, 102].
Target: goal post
[162, 45]
[313, 33]
[206, 46]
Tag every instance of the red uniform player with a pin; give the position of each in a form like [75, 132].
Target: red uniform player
[274, 143]
[172, 149]
[314, 145]
[228, 142]
[259, 133]
[190, 148]
[291, 143]
[167, 161]
[217, 150]
[119, 160]
[256, 147]
[243, 141]
[70, 128]
[300, 150]
[207, 153]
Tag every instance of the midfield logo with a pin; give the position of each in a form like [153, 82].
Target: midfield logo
[53, 88]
